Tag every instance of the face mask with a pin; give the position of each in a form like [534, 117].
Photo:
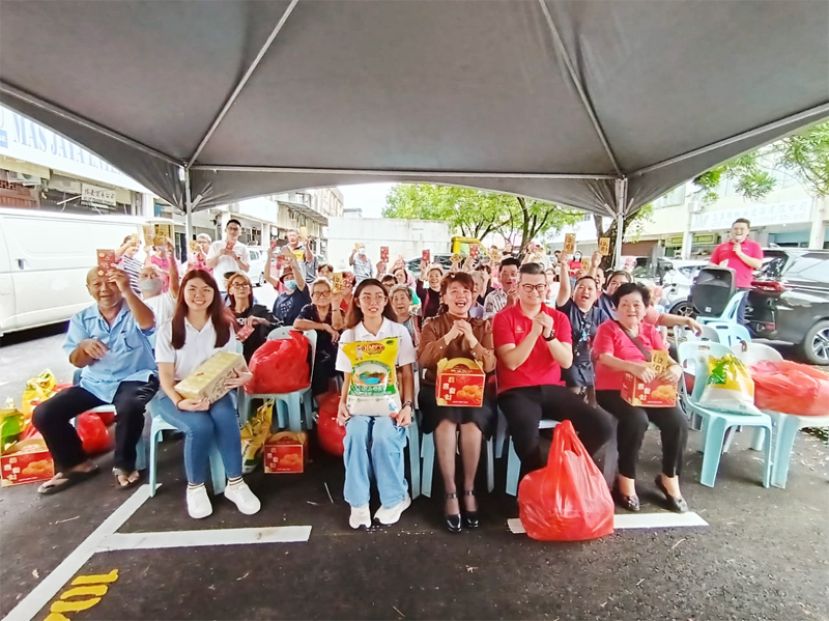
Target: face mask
[290, 284]
[150, 286]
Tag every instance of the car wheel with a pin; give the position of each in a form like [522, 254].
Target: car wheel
[815, 346]
[684, 309]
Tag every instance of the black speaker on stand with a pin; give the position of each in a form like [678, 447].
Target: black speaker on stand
[712, 289]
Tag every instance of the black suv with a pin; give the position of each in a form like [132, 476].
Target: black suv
[790, 301]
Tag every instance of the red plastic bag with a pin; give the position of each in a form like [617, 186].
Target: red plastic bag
[568, 499]
[93, 434]
[280, 366]
[329, 433]
[791, 388]
[107, 416]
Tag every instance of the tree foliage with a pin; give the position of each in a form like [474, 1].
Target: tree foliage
[804, 155]
[477, 213]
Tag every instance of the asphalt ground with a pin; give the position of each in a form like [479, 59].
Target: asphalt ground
[763, 555]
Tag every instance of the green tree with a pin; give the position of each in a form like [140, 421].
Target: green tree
[637, 219]
[804, 155]
[477, 213]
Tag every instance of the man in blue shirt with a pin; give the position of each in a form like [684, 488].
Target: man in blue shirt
[109, 341]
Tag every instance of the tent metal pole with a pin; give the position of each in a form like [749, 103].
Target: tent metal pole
[398, 173]
[585, 99]
[79, 120]
[188, 215]
[243, 81]
[822, 110]
[621, 207]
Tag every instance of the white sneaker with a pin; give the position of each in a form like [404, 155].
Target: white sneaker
[391, 515]
[198, 502]
[360, 516]
[244, 499]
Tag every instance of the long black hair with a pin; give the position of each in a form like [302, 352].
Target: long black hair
[355, 313]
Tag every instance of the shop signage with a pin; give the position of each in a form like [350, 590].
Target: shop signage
[23, 139]
[760, 214]
[97, 195]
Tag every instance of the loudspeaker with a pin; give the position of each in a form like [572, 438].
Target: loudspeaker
[712, 289]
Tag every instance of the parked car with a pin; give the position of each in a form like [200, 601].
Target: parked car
[790, 301]
[256, 273]
[413, 265]
[675, 276]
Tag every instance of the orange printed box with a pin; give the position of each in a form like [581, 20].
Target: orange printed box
[27, 465]
[651, 394]
[460, 383]
[286, 453]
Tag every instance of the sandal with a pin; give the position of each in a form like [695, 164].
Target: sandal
[130, 482]
[64, 480]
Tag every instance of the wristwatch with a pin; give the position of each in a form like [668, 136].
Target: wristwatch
[551, 337]
[407, 403]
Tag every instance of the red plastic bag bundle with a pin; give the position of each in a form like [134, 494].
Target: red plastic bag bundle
[568, 499]
[280, 366]
[329, 433]
[93, 434]
[791, 388]
[107, 417]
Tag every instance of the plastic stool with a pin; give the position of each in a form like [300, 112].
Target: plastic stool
[428, 454]
[514, 463]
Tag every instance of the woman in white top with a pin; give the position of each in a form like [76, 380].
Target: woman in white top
[198, 330]
[374, 444]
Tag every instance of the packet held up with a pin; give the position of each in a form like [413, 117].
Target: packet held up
[373, 388]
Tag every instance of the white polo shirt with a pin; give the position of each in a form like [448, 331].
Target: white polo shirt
[226, 263]
[198, 347]
[405, 350]
[163, 306]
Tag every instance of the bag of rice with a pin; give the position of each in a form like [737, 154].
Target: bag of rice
[373, 388]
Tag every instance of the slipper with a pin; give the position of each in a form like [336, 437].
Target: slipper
[64, 480]
[118, 472]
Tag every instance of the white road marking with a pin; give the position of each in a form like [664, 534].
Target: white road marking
[209, 537]
[636, 520]
[43, 593]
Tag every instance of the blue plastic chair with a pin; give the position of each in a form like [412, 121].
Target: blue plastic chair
[413, 441]
[729, 333]
[514, 463]
[217, 466]
[714, 422]
[291, 408]
[428, 464]
[729, 312]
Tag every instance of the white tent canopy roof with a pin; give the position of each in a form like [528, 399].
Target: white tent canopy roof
[558, 100]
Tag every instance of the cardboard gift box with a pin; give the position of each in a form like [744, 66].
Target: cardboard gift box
[209, 379]
[286, 453]
[27, 461]
[460, 383]
[651, 394]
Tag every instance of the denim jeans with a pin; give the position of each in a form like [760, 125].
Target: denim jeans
[374, 444]
[201, 429]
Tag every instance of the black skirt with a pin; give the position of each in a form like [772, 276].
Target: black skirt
[433, 414]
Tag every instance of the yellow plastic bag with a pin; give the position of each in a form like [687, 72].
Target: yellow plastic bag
[254, 434]
[373, 388]
[729, 386]
[37, 390]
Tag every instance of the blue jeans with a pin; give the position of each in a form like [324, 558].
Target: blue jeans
[200, 429]
[374, 444]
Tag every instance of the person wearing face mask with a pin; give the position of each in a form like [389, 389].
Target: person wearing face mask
[228, 255]
[742, 255]
[429, 293]
[294, 294]
[507, 295]
[454, 334]
[161, 302]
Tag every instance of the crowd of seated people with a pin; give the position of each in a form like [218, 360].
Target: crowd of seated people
[553, 341]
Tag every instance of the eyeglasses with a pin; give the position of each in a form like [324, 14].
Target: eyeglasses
[320, 293]
[233, 228]
[527, 287]
[241, 285]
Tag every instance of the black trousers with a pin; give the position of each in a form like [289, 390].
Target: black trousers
[52, 419]
[525, 407]
[633, 423]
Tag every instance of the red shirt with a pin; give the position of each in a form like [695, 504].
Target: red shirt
[610, 339]
[511, 325]
[744, 274]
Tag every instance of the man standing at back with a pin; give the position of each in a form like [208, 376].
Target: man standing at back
[228, 255]
[304, 255]
[742, 255]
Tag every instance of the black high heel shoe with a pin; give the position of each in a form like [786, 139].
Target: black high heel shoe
[452, 521]
[470, 518]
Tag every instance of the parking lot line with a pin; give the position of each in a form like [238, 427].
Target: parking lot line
[639, 520]
[211, 537]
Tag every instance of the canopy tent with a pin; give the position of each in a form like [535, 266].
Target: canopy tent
[601, 105]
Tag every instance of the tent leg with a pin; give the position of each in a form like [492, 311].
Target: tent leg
[621, 207]
[188, 215]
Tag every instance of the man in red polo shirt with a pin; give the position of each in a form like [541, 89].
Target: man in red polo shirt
[741, 254]
[533, 342]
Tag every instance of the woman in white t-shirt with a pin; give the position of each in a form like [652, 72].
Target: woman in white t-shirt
[374, 444]
[198, 330]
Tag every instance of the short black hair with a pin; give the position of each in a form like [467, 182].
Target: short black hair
[627, 289]
[533, 269]
[615, 273]
[742, 221]
[509, 261]
[233, 221]
[586, 277]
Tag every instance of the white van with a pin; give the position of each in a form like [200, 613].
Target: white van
[44, 257]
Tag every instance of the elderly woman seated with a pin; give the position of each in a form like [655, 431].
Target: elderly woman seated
[250, 321]
[453, 334]
[325, 316]
[626, 346]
